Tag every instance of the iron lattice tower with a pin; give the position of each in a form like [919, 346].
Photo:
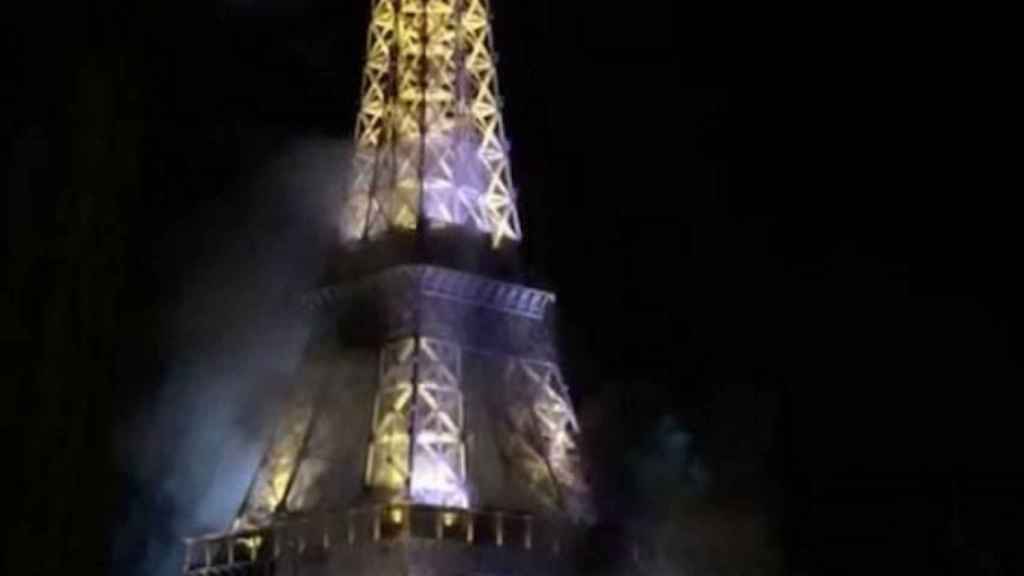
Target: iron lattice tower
[430, 141]
[429, 430]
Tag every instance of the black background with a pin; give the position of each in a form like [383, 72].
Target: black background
[754, 225]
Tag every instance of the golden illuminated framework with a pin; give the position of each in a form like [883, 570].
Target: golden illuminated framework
[275, 476]
[410, 388]
[430, 141]
[419, 394]
[418, 416]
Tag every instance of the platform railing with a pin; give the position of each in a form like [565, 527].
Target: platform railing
[318, 534]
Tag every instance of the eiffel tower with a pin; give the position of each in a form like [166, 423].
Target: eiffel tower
[429, 430]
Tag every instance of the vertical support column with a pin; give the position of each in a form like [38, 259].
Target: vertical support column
[496, 202]
[440, 113]
[361, 214]
[417, 452]
[546, 432]
[388, 466]
[269, 488]
[404, 209]
[439, 452]
[430, 141]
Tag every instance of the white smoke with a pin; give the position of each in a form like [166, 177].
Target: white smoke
[233, 339]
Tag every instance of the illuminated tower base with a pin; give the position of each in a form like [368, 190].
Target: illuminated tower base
[430, 433]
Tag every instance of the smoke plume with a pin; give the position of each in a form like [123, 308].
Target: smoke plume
[234, 334]
[661, 497]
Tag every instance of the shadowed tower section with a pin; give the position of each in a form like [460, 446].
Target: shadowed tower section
[429, 428]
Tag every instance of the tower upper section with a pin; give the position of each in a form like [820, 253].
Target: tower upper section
[430, 142]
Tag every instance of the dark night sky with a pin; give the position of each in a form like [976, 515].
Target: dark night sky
[735, 216]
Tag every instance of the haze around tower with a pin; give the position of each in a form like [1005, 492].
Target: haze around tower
[233, 334]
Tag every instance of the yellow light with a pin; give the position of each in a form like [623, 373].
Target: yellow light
[252, 543]
[396, 515]
[448, 518]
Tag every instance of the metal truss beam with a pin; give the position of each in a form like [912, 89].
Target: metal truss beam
[417, 452]
[430, 139]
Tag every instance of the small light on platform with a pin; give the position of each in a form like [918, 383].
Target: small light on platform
[449, 518]
[396, 515]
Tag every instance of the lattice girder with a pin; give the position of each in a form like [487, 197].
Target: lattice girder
[270, 486]
[420, 394]
[545, 433]
[430, 140]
